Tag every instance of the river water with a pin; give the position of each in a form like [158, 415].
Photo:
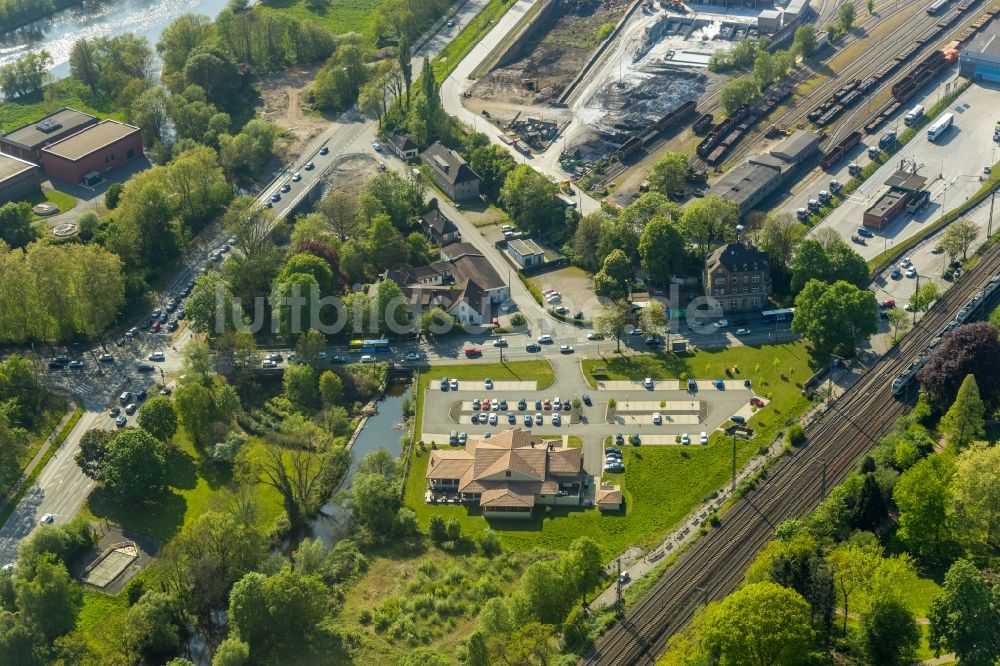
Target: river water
[106, 18]
[381, 430]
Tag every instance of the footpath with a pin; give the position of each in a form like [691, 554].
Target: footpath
[39, 456]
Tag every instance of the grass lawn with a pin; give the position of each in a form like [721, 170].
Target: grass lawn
[60, 200]
[66, 92]
[97, 608]
[195, 482]
[338, 17]
[777, 373]
[52, 411]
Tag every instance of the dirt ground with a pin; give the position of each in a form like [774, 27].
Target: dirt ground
[555, 55]
[576, 287]
[350, 173]
[283, 96]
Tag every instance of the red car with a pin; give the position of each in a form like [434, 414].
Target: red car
[887, 303]
[756, 402]
[547, 405]
[473, 352]
[155, 328]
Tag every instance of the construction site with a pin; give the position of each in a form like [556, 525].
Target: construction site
[605, 79]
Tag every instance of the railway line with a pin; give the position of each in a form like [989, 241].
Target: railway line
[714, 565]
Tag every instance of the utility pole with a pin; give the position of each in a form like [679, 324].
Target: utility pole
[734, 464]
[916, 300]
[989, 226]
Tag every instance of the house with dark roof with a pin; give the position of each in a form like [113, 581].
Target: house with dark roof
[507, 474]
[737, 275]
[463, 284]
[438, 228]
[27, 141]
[404, 146]
[451, 173]
[19, 179]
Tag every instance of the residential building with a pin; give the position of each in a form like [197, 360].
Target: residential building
[737, 275]
[507, 474]
[84, 156]
[438, 228]
[979, 60]
[750, 183]
[404, 146]
[609, 498]
[27, 141]
[19, 179]
[462, 284]
[451, 173]
[526, 252]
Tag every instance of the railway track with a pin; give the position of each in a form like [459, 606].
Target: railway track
[714, 565]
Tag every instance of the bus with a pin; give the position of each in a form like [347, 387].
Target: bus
[771, 316]
[369, 346]
[940, 126]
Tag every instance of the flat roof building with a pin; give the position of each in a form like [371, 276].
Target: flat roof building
[19, 179]
[27, 141]
[84, 156]
[526, 252]
[980, 60]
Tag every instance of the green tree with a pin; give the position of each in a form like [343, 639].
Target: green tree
[16, 229]
[613, 279]
[385, 246]
[375, 502]
[958, 238]
[584, 247]
[976, 499]
[761, 623]
[310, 345]
[965, 617]
[889, 633]
[779, 237]
[738, 92]
[530, 199]
[835, 317]
[923, 495]
[193, 404]
[300, 386]
[90, 457]
[804, 41]
[231, 652]
[963, 423]
[922, 299]
[405, 59]
[845, 264]
[809, 263]
[709, 221]
[661, 247]
[435, 321]
[845, 16]
[614, 320]
[134, 470]
[331, 388]
[900, 322]
[341, 211]
[48, 598]
[113, 195]
[493, 163]
[391, 307]
[161, 621]
[653, 319]
[310, 264]
[277, 615]
[669, 175]
[158, 418]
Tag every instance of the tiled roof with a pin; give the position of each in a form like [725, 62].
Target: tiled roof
[509, 496]
[449, 164]
[608, 496]
[564, 460]
[737, 257]
[436, 220]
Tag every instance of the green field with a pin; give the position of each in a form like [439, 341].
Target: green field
[456, 50]
[66, 92]
[195, 482]
[339, 17]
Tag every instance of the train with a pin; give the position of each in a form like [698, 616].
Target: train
[902, 380]
[936, 6]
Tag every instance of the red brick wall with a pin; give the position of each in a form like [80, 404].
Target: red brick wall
[100, 161]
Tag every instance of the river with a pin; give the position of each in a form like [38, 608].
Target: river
[382, 430]
[58, 33]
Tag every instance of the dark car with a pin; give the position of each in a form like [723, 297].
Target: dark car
[586, 398]
[324, 150]
[140, 395]
[144, 367]
[634, 439]
[619, 438]
[522, 405]
[736, 418]
[532, 347]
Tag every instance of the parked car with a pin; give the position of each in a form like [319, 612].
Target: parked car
[539, 419]
[324, 150]
[648, 382]
[522, 405]
[703, 438]
[157, 356]
[500, 342]
[114, 411]
[144, 367]
[463, 437]
[619, 440]
[756, 402]
[586, 398]
[556, 419]
[268, 363]
[130, 408]
[106, 358]
[488, 384]
[453, 384]
[736, 418]
[121, 421]
[657, 418]
[76, 365]
[634, 439]
[527, 420]
[685, 439]
[125, 398]
[412, 356]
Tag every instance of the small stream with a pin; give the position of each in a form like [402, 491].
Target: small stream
[382, 430]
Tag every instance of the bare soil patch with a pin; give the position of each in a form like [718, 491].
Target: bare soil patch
[283, 96]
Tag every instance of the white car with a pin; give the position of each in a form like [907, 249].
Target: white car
[412, 356]
[453, 384]
[905, 263]
[157, 356]
[657, 418]
[722, 323]
[377, 146]
[556, 420]
[703, 438]
[685, 439]
[493, 418]
[594, 336]
[544, 339]
[911, 272]
[268, 363]
[368, 358]
[648, 382]
[565, 349]
[743, 331]
[47, 519]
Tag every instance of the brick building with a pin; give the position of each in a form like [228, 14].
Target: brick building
[84, 156]
[451, 173]
[737, 275]
[27, 141]
[19, 179]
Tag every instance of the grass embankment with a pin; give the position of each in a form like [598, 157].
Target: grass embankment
[194, 484]
[445, 62]
[338, 17]
[65, 92]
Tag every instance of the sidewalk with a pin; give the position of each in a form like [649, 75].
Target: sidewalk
[39, 455]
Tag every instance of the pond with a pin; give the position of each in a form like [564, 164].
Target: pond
[382, 430]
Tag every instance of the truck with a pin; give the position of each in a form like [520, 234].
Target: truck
[917, 201]
[913, 114]
[940, 126]
[888, 139]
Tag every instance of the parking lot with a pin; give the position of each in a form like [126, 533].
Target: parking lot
[953, 167]
[705, 409]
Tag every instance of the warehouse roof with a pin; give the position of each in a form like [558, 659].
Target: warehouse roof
[797, 147]
[93, 138]
[905, 180]
[12, 166]
[744, 182]
[36, 134]
[987, 42]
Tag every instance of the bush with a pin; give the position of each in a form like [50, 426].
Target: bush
[795, 436]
